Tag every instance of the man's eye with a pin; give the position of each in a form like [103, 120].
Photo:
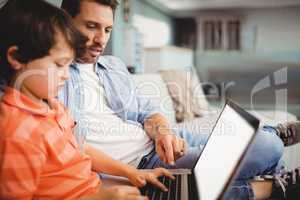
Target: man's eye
[108, 30]
[90, 26]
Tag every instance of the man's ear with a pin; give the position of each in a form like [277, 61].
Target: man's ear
[13, 58]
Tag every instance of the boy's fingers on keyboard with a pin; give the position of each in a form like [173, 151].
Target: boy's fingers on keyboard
[137, 177]
[164, 172]
[142, 181]
[153, 180]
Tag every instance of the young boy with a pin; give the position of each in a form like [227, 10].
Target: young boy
[39, 155]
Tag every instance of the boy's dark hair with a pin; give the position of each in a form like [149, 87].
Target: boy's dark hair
[73, 6]
[31, 25]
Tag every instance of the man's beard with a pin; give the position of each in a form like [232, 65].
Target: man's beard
[87, 57]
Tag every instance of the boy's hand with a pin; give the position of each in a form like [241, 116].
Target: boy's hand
[139, 178]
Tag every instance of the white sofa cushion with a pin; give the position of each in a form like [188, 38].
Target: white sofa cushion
[153, 87]
[186, 93]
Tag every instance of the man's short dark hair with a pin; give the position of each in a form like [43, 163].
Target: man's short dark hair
[32, 25]
[73, 6]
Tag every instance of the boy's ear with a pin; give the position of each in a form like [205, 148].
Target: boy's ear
[13, 58]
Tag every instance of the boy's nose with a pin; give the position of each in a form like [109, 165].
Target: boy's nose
[65, 74]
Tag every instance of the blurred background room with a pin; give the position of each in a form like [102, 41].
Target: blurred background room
[232, 44]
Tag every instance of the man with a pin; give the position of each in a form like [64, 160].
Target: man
[114, 118]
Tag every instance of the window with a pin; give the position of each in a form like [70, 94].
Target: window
[220, 34]
[213, 35]
[233, 33]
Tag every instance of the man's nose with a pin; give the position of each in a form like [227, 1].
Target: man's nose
[100, 38]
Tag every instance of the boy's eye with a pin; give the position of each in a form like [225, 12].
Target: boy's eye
[59, 65]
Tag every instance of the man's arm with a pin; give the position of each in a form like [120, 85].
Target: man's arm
[168, 147]
[156, 124]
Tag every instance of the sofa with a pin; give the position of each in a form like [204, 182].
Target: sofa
[152, 86]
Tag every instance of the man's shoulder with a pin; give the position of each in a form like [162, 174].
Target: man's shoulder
[112, 62]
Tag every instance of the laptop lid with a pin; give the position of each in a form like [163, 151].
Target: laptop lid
[231, 137]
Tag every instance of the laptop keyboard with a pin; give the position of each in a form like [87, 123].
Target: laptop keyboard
[173, 193]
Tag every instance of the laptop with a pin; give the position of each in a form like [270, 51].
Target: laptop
[217, 164]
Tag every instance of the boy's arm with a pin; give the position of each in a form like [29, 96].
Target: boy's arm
[101, 162]
[104, 163]
[116, 193]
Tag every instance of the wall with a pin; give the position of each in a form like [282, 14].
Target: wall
[275, 30]
[146, 10]
[269, 35]
[137, 7]
[116, 40]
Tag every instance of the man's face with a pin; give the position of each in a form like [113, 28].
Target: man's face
[96, 22]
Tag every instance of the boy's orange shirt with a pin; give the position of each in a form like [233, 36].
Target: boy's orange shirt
[40, 157]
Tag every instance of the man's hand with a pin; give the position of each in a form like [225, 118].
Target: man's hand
[139, 178]
[169, 147]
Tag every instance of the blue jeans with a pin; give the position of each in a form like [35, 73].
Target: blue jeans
[262, 158]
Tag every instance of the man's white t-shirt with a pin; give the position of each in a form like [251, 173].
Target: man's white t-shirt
[106, 131]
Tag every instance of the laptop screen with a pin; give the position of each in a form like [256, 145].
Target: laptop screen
[226, 145]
